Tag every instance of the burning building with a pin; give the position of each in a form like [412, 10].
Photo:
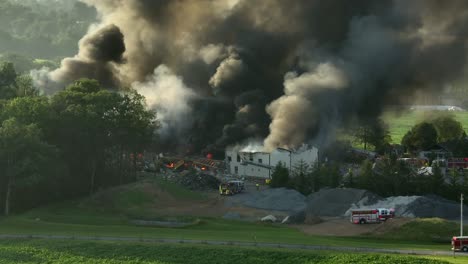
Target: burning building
[261, 164]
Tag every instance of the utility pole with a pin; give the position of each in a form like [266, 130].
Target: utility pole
[461, 214]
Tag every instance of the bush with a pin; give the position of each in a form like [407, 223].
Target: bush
[280, 176]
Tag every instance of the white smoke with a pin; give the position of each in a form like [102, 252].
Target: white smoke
[166, 93]
[250, 145]
[43, 81]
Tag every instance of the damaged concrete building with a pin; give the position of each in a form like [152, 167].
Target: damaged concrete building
[260, 164]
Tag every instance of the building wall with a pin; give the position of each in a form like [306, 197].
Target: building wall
[310, 156]
[261, 164]
[255, 171]
[281, 155]
[233, 162]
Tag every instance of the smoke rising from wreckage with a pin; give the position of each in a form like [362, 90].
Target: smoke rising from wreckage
[286, 72]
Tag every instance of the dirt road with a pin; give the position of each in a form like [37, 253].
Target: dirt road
[336, 226]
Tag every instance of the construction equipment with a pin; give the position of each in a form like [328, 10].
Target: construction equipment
[229, 188]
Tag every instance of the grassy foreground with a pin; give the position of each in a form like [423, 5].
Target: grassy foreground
[210, 229]
[108, 214]
[40, 251]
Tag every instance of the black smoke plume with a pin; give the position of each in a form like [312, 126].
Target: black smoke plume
[288, 72]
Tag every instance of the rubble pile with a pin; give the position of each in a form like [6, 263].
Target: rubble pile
[197, 181]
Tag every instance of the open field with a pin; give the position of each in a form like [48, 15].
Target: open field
[211, 229]
[110, 213]
[107, 216]
[401, 122]
[40, 251]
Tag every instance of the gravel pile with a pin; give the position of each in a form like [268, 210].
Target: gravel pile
[275, 199]
[339, 202]
[417, 206]
[335, 201]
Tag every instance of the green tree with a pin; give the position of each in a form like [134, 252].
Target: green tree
[372, 132]
[436, 181]
[95, 127]
[28, 110]
[422, 136]
[301, 177]
[448, 128]
[333, 176]
[25, 87]
[315, 180]
[280, 176]
[366, 175]
[81, 127]
[23, 64]
[133, 129]
[21, 152]
[7, 80]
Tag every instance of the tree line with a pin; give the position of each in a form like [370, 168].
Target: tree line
[387, 175]
[43, 29]
[73, 143]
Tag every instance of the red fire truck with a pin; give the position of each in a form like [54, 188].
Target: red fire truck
[371, 215]
[457, 163]
[460, 243]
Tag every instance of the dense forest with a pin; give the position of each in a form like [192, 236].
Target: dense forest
[43, 29]
[70, 144]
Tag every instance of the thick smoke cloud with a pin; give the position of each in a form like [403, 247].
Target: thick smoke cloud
[167, 94]
[288, 72]
[99, 53]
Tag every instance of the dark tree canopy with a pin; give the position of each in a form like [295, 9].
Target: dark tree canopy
[448, 128]
[374, 133]
[280, 176]
[423, 136]
[87, 132]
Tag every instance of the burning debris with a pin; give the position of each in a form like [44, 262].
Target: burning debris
[289, 73]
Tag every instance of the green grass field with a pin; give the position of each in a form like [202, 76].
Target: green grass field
[211, 229]
[101, 215]
[40, 251]
[87, 217]
[425, 229]
[401, 122]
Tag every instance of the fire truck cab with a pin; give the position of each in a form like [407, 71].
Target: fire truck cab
[460, 243]
[371, 215]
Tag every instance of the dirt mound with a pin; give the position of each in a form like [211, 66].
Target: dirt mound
[336, 201]
[276, 199]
